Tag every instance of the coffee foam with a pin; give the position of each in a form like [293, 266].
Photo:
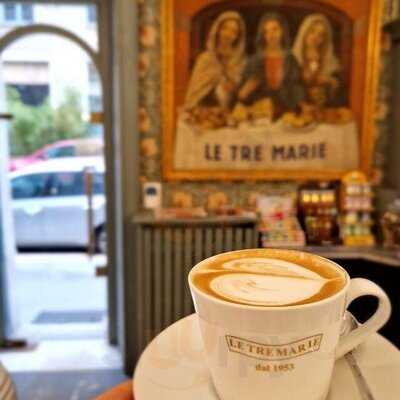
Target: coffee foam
[264, 281]
[270, 266]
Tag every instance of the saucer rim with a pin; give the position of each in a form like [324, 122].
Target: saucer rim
[194, 315]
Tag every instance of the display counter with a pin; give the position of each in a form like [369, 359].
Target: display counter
[164, 251]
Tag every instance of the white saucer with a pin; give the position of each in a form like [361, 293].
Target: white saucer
[172, 368]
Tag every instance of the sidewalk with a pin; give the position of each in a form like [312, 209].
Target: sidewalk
[58, 296]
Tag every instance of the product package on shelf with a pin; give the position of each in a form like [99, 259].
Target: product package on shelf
[177, 213]
[234, 211]
[319, 213]
[391, 226]
[279, 226]
[356, 206]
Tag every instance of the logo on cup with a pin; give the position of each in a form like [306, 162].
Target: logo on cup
[276, 352]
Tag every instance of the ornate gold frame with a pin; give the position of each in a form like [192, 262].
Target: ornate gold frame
[367, 128]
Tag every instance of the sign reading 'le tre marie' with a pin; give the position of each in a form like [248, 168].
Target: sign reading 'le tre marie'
[274, 352]
[266, 89]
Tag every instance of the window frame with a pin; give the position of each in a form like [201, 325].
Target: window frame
[60, 149]
[45, 190]
[108, 13]
[91, 14]
[19, 13]
[6, 9]
[23, 8]
[54, 187]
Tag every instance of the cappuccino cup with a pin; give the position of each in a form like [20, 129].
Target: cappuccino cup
[271, 321]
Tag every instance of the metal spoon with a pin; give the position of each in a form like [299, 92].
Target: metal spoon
[349, 325]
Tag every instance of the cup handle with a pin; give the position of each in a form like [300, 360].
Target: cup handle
[362, 287]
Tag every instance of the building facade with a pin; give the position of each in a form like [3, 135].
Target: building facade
[41, 65]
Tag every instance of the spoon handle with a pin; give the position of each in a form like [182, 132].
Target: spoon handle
[360, 379]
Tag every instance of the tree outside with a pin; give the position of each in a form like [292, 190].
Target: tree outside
[36, 126]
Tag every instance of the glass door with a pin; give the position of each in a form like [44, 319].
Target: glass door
[45, 48]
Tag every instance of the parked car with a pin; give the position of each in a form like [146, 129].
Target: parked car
[63, 148]
[50, 204]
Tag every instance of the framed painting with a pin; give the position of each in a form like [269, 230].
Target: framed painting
[268, 89]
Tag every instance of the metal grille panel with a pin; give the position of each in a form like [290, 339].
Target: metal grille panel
[165, 253]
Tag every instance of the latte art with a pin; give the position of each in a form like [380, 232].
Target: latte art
[265, 281]
[263, 290]
[270, 266]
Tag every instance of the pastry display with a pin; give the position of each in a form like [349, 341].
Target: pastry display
[335, 116]
[241, 113]
[391, 226]
[356, 210]
[279, 226]
[208, 118]
[318, 210]
[294, 120]
[263, 108]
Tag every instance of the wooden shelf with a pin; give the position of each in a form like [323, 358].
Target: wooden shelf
[148, 219]
[376, 254]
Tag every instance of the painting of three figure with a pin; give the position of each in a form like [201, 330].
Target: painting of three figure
[260, 86]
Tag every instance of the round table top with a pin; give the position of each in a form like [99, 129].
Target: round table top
[7, 391]
[121, 392]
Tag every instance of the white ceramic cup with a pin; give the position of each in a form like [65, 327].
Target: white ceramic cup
[281, 353]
